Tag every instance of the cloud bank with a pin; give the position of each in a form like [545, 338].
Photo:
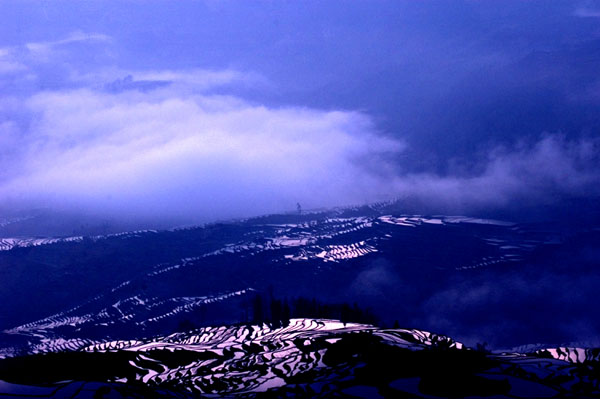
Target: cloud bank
[547, 172]
[178, 145]
[205, 156]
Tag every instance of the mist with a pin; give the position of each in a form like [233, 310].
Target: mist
[209, 156]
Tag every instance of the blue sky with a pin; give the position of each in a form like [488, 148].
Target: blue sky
[214, 109]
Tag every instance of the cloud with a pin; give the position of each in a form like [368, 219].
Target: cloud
[584, 12]
[165, 154]
[8, 63]
[514, 306]
[42, 65]
[45, 48]
[379, 279]
[86, 60]
[184, 81]
[164, 144]
[159, 153]
[155, 144]
[545, 172]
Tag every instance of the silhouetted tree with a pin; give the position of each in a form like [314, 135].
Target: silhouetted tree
[276, 312]
[286, 313]
[258, 316]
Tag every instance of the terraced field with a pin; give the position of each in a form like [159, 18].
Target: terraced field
[305, 357]
[206, 310]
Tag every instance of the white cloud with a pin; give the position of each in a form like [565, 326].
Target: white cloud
[186, 81]
[44, 48]
[197, 77]
[165, 155]
[58, 63]
[10, 67]
[8, 62]
[210, 156]
[542, 173]
[104, 142]
[31, 61]
[583, 12]
[98, 145]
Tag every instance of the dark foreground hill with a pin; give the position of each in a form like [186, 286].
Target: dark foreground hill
[303, 358]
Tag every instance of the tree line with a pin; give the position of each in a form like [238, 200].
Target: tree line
[278, 312]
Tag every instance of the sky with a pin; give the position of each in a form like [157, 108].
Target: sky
[195, 111]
